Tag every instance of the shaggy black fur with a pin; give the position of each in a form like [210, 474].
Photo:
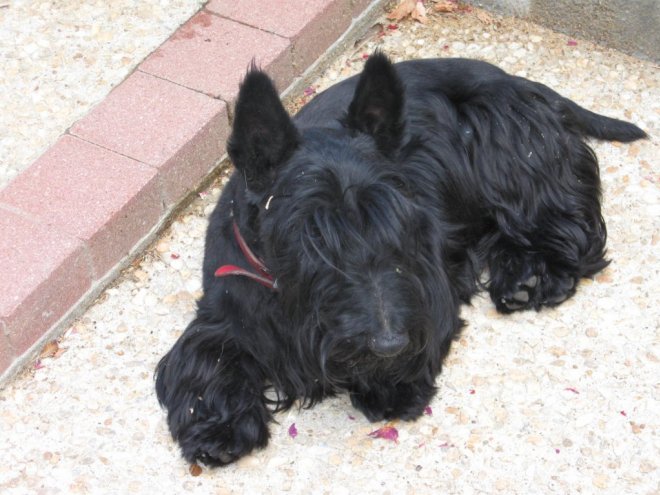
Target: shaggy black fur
[376, 208]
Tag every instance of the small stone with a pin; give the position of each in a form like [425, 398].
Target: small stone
[249, 461]
[600, 481]
[473, 440]
[501, 485]
[163, 247]
[561, 331]
[534, 439]
[636, 428]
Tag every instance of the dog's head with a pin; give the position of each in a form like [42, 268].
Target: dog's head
[339, 224]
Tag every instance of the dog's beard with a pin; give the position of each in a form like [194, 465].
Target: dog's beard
[338, 356]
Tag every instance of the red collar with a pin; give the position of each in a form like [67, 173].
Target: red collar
[262, 276]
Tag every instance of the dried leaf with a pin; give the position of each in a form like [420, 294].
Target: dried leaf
[402, 10]
[49, 350]
[485, 17]
[195, 469]
[445, 6]
[59, 352]
[387, 432]
[419, 14]
[412, 8]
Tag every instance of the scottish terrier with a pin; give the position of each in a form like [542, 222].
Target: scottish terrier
[348, 236]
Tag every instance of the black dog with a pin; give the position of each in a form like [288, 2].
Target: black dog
[345, 241]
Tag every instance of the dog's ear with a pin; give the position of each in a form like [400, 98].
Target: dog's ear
[377, 105]
[263, 135]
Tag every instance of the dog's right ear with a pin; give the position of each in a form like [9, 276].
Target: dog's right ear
[263, 135]
[377, 106]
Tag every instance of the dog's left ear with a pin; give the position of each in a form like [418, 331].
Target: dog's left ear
[263, 135]
[377, 105]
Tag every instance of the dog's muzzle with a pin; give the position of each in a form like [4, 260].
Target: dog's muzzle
[388, 344]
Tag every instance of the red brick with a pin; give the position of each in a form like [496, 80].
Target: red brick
[180, 132]
[107, 200]
[312, 25]
[211, 54]
[43, 273]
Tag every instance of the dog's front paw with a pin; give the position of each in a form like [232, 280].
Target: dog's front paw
[521, 296]
[217, 443]
[557, 288]
[521, 281]
[404, 401]
[533, 291]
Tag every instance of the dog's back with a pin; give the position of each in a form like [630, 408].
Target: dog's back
[458, 79]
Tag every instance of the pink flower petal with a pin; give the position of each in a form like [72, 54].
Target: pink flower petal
[428, 411]
[293, 431]
[386, 433]
[175, 256]
[472, 391]
[623, 413]
[571, 43]
[571, 389]
[352, 418]
[309, 91]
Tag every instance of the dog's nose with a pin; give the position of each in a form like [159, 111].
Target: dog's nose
[388, 345]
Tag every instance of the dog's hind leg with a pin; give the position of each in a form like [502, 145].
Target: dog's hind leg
[213, 391]
[542, 250]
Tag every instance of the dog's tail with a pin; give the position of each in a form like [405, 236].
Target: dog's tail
[589, 123]
[598, 126]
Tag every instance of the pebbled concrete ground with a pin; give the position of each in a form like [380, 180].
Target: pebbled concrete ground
[560, 401]
[61, 58]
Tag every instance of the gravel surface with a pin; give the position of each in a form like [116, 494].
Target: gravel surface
[559, 401]
[61, 57]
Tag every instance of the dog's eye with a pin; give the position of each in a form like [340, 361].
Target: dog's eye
[401, 185]
[398, 182]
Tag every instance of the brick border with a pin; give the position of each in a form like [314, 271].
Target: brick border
[73, 219]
